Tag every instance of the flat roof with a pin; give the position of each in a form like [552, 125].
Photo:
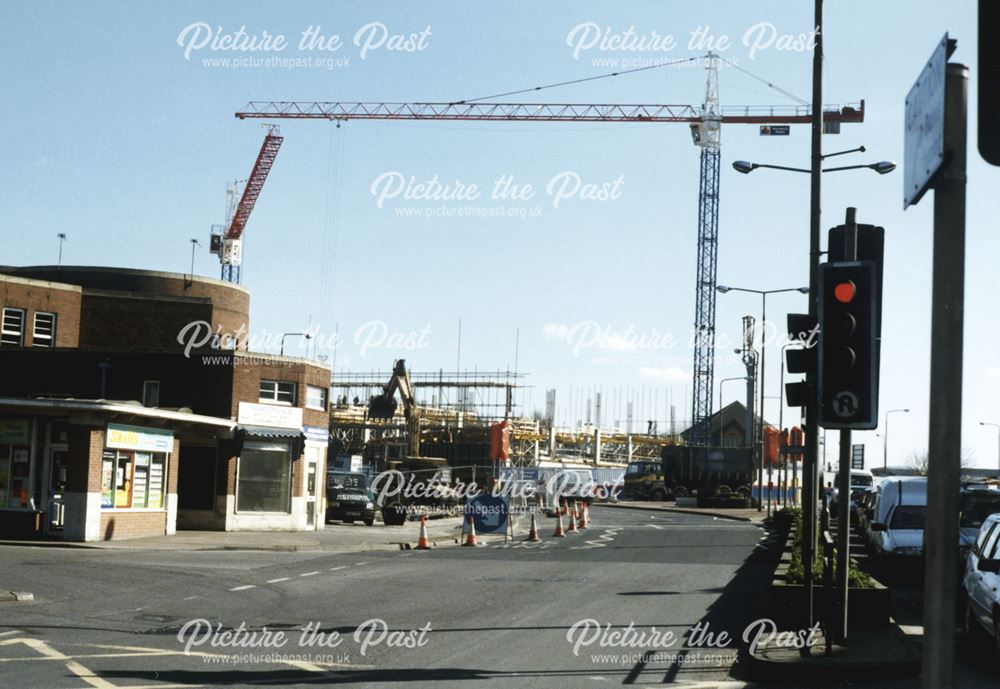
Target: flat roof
[111, 407]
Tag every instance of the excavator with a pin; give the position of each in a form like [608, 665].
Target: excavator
[426, 478]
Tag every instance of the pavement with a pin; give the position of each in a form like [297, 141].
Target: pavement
[745, 515]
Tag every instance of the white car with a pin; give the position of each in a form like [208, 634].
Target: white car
[982, 581]
[897, 526]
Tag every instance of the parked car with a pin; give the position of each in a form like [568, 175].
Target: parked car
[900, 513]
[348, 498]
[982, 581]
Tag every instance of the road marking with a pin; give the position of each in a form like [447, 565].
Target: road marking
[243, 588]
[88, 676]
[12, 631]
[308, 574]
[191, 597]
[358, 564]
[334, 569]
[275, 581]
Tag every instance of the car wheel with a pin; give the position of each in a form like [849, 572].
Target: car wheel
[370, 522]
[680, 492]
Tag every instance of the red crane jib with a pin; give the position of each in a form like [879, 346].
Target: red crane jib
[265, 159]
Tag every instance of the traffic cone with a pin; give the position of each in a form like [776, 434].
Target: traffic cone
[422, 542]
[586, 515]
[572, 520]
[559, 527]
[533, 534]
[470, 538]
[583, 517]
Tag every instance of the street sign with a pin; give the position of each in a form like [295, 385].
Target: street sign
[923, 139]
[489, 512]
[857, 456]
[775, 130]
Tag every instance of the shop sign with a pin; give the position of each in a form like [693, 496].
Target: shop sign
[270, 415]
[14, 432]
[124, 437]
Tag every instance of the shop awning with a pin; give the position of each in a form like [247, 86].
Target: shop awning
[295, 435]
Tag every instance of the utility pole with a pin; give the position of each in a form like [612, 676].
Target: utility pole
[811, 435]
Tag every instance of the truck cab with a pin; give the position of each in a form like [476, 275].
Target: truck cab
[644, 481]
[349, 498]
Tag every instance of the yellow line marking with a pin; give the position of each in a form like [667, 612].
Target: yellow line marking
[88, 676]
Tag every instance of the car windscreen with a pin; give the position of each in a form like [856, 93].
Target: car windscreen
[350, 481]
[909, 517]
[861, 481]
[976, 507]
[640, 469]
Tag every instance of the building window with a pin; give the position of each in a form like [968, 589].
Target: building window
[316, 397]
[277, 391]
[12, 328]
[45, 330]
[265, 478]
[151, 393]
[133, 479]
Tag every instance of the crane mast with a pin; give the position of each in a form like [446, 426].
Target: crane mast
[706, 129]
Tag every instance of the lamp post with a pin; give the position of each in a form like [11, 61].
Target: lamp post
[62, 238]
[997, 426]
[759, 438]
[726, 380]
[305, 335]
[885, 438]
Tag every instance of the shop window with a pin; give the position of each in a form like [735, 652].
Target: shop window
[44, 333]
[278, 391]
[265, 478]
[133, 479]
[316, 397]
[12, 328]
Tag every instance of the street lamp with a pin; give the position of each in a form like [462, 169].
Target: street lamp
[883, 167]
[997, 426]
[726, 380]
[759, 441]
[305, 335]
[885, 439]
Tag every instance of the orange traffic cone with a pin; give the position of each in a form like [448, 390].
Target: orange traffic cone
[586, 515]
[533, 534]
[470, 538]
[422, 542]
[583, 517]
[559, 533]
[572, 521]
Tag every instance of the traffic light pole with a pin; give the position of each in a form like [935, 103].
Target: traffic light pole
[844, 475]
[945, 435]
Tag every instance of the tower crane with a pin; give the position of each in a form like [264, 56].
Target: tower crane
[228, 244]
[706, 128]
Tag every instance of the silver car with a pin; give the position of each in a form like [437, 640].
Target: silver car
[982, 581]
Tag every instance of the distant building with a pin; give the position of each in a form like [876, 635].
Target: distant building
[113, 426]
[727, 426]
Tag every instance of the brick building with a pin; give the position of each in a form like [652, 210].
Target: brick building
[121, 417]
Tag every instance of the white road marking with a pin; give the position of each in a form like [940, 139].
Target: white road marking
[12, 631]
[308, 574]
[88, 676]
[191, 597]
[358, 564]
[243, 588]
[275, 581]
[335, 569]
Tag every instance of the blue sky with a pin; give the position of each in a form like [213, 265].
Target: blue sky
[118, 139]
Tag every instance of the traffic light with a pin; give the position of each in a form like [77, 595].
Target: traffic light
[848, 345]
[801, 328]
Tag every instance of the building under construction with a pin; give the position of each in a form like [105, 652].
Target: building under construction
[468, 419]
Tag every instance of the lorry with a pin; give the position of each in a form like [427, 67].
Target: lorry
[710, 472]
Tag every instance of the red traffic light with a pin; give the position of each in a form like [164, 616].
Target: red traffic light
[845, 291]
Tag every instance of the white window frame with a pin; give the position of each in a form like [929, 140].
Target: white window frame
[48, 341]
[325, 396]
[276, 392]
[4, 332]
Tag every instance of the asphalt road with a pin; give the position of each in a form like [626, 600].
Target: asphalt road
[515, 615]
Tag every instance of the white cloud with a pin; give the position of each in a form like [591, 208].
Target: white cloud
[665, 375]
